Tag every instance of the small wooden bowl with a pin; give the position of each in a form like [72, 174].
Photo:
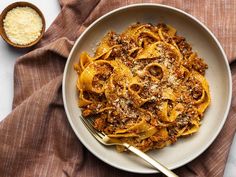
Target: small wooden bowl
[3, 15]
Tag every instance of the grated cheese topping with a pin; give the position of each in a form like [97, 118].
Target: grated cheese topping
[22, 25]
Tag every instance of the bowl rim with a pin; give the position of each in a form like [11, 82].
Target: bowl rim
[150, 171]
[20, 4]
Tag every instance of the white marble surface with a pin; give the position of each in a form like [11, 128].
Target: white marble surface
[8, 55]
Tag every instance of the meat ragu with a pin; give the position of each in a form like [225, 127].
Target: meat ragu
[145, 86]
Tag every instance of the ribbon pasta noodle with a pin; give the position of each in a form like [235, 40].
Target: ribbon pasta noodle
[144, 86]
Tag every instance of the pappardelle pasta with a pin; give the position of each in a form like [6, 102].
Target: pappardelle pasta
[144, 86]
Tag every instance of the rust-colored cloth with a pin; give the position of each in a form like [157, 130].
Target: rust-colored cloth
[36, 139]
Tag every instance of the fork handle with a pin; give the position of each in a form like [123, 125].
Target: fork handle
[151, 161]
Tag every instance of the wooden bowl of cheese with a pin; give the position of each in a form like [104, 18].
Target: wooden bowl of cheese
[22, 24]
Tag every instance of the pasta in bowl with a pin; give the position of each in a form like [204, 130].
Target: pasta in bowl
[145, 86]
[101, 64]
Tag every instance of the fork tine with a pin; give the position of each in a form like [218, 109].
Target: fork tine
[91, 120]
[91, 123]
[91, 129]
[87, 126]
[103, 133]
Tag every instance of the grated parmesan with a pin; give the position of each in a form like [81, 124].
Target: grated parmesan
[22, 25]
[172, 79]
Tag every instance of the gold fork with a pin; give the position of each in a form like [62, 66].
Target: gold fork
[105, 140]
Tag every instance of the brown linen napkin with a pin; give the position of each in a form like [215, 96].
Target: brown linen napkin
[36, 139]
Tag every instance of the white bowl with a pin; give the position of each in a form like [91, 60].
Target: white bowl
[218, 75]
